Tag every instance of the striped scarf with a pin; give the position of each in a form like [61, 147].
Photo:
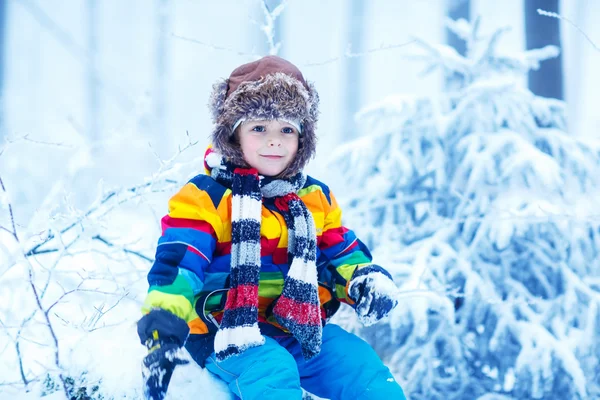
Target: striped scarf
[298, 307]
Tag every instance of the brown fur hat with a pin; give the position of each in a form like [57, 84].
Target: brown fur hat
[270, 88]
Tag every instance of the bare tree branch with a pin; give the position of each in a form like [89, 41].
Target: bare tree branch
[560, 17]
[215, 47]
[125, 250]
[50, 330]
[11, 214]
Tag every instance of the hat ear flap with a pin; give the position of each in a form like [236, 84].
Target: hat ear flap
[313, 111]
[217, 98]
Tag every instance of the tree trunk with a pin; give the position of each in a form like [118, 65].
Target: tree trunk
[3, 10]
[160, 95]
[541, 31]
[93, 81]
[458, 9]
[353, 68]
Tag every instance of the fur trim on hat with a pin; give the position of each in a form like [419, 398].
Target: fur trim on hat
[274, 96]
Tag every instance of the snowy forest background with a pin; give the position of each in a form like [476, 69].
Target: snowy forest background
[460, 136]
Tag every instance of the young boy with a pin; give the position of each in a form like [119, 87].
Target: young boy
[253, 259]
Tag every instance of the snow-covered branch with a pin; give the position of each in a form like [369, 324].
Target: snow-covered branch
[567, 20]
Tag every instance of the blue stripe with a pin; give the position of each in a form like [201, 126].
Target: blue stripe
[300, 291]
[202, 241]
[245, 230]
[244, 275]
[311, 336]
[164, 269]
[214, 190]
[215, 280]
[194, 280]
[231, 350]
[220, 264]
[242, 316]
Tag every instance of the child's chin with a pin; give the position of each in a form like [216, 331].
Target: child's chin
[270, 171]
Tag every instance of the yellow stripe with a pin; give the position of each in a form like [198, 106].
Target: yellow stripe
[308, 190]
[193, 203]
[334, 219]
[271, 225]
[175, 303]
[224, 212]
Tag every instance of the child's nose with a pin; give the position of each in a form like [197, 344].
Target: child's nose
[274, 141]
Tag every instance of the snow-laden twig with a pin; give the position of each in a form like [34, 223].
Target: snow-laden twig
[350, 54]
[4, 194]
[562, 18]
[122, 248]
[50, 328]
[269, 27]
[214, 46]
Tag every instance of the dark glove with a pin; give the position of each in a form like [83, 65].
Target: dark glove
[374, 293]
[163, 333]
[158, 368]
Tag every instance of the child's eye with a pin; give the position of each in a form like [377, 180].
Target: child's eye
[287, 129]
[258, 128]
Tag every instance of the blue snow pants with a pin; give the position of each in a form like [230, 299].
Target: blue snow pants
[347, 368]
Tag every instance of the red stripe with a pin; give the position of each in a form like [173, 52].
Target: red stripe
[280, 256]
[208, 151]
[242, 296]
[193, 250]
[355, 244]
[169, 222]
[223, 248]
[332, 237]
[246, 171]
[303, 313]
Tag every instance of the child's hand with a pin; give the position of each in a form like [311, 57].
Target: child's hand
[158, 368]
[374, 292]
[164, 334]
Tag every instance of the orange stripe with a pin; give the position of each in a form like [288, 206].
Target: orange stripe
[197, 326]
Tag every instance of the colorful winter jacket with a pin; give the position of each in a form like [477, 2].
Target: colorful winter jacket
[190, 275]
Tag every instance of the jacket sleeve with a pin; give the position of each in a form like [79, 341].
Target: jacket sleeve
[185, 249]
[341, 250]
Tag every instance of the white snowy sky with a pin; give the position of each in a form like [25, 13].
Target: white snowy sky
[46, 86]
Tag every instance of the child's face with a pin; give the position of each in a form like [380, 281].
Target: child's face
[268, 146]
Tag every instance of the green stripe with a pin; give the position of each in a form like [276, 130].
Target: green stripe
[180, 286]
[271, 276]
[270, 285]
[214, 301]
[354, 258]
[346, 271]
[340, 291]
[309, 189]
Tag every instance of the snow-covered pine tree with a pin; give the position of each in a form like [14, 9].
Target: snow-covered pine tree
[482, 205]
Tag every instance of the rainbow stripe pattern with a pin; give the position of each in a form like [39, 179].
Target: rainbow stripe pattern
[191, 272]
